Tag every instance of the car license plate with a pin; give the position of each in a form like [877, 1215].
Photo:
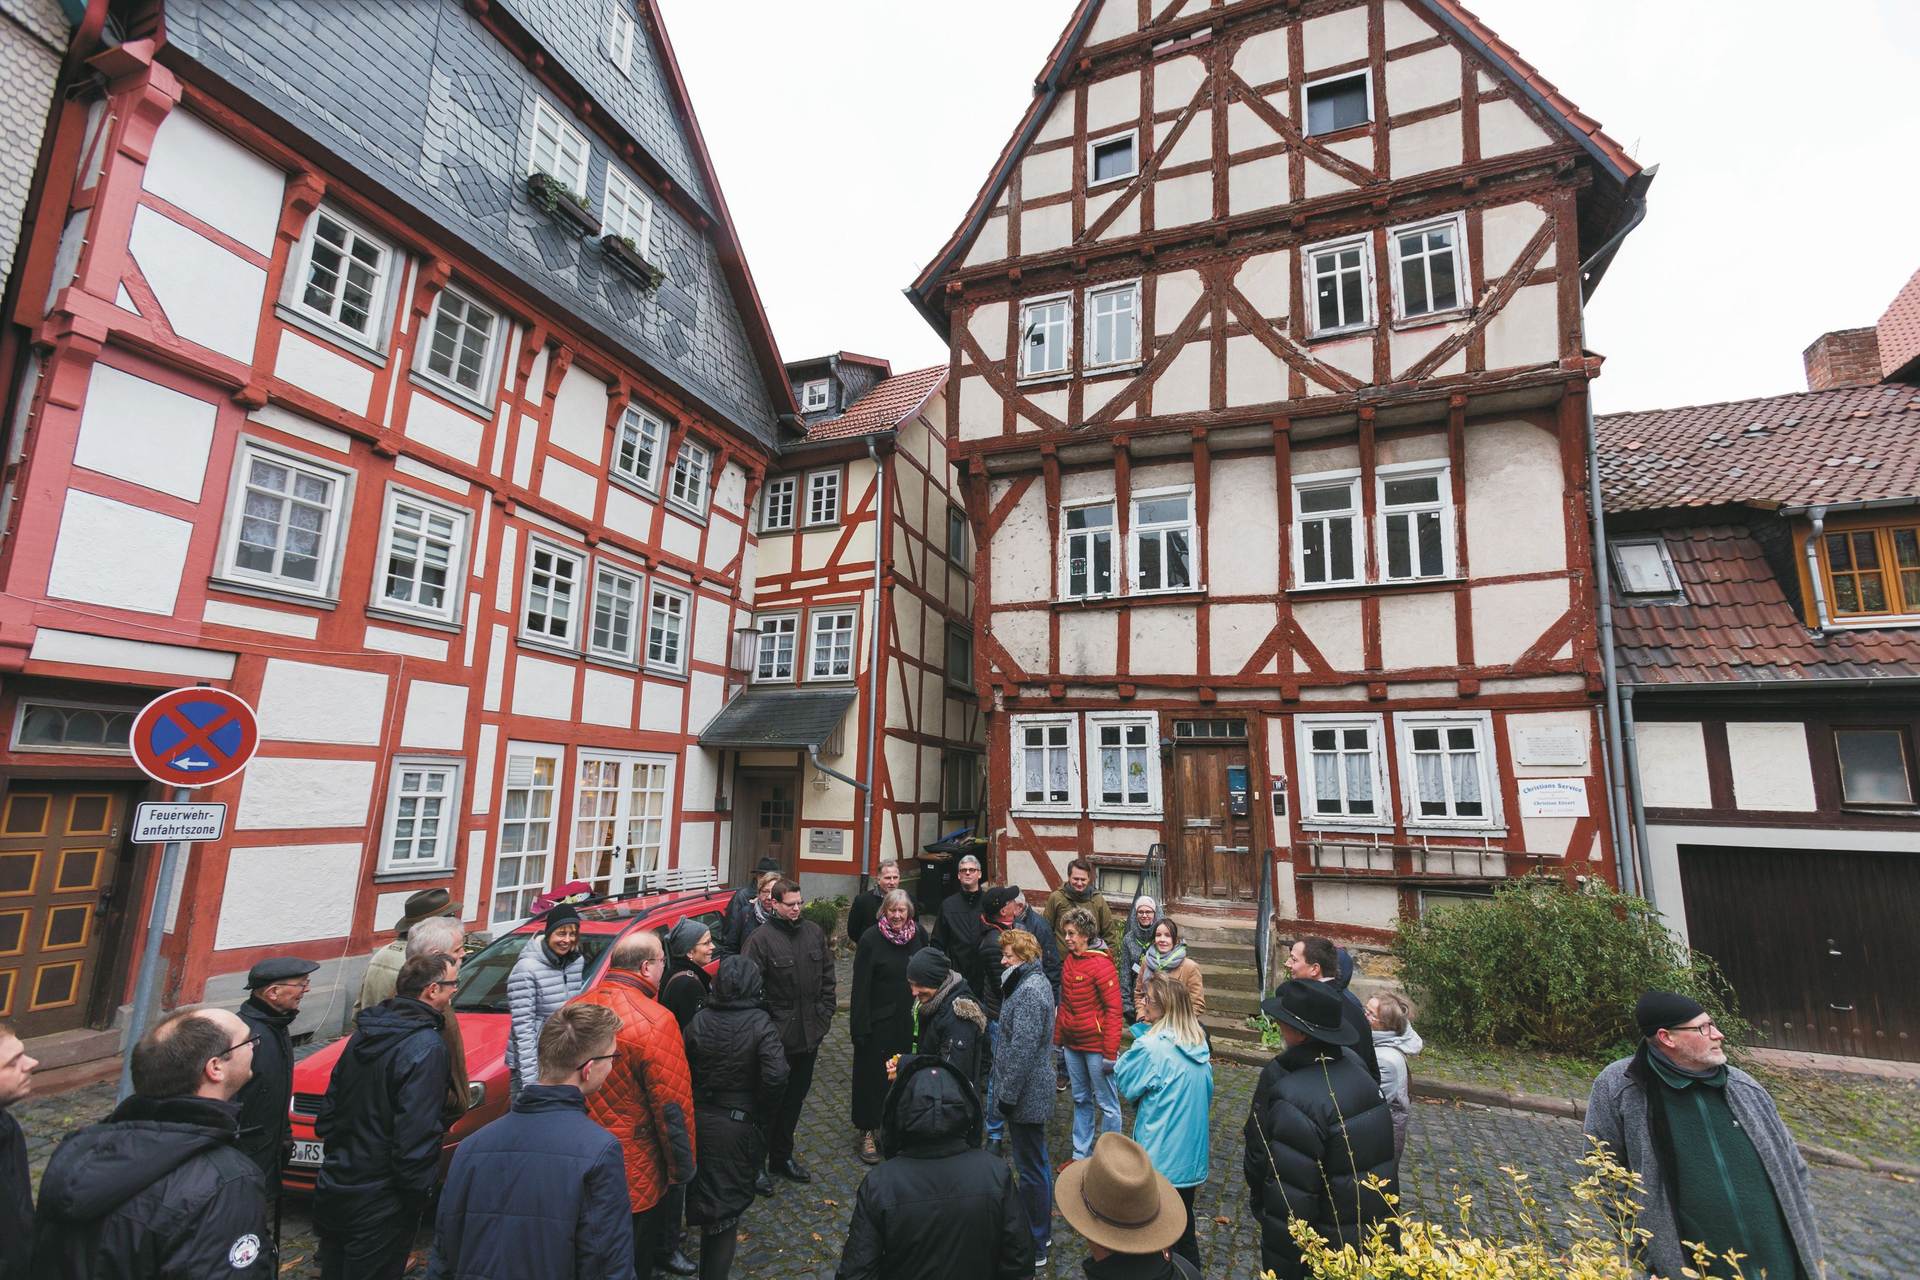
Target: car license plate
[308, 1155]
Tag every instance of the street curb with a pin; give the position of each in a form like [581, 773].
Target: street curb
[1576, 1109]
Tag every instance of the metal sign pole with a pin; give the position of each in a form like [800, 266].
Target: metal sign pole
[176, 852]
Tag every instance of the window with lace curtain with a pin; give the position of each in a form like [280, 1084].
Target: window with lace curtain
[1445, 770]
[1346, 772]
[1046, 764]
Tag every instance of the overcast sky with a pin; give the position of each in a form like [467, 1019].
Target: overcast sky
[851, 135]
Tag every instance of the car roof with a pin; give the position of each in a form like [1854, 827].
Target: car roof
[617, 915]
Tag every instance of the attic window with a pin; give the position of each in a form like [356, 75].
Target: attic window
[1339, 103]
[1111, 159]
[814, 396]
[1645, 568]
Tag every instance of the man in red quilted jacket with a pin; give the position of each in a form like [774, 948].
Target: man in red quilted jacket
[647, 1101]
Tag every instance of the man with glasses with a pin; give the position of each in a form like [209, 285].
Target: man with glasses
[542, 1191]
[276, 987]
[797, 966]
[1716, 1164]
[647, 1102]
[162, 1178]
[382, 1123]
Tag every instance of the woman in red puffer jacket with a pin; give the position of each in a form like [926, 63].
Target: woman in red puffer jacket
[1087, 1027]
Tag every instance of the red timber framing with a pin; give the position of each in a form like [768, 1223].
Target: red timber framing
[120, 565]
[1382, 314]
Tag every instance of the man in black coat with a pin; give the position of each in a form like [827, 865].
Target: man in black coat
[277, 986]
[381, 1121]
[1318, 960]
[796, 963]
[939, 1207]
[957, 932]
[159, 1189]
[1317, 1128]
[542, 1191]
[739, 1070]
[16, 1187]
[866, 905]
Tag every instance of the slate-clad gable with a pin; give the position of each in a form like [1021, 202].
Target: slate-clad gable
[422, 98]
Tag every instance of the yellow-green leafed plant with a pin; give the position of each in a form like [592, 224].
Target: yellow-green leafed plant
[1603, 1241]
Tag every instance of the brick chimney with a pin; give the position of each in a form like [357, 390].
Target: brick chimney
[1843, 358]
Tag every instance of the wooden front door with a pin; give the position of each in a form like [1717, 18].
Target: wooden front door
[766, 822]
[1817, 943]
[60, 861]
[1213, 829]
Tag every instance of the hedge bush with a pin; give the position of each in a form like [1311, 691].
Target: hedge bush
[825, 912]
[1550, 965]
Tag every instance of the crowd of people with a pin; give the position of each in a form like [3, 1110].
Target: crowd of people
[657, 1103]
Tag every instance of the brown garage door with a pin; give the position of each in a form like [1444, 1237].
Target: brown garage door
[1818, 943]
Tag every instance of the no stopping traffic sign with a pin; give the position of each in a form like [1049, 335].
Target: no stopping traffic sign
[194, 737]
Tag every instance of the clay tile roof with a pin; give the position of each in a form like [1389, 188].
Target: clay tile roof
[1900, 330]
[1847, 445]
[885, 407]
[1737, 624]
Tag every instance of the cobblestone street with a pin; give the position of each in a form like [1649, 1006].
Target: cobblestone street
[1871, 1223]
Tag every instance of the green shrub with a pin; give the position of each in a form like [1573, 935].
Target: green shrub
[1549, 965]
[824, 912]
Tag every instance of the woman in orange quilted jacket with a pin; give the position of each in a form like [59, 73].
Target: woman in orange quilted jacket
[1087, 1027]
[647, 1101]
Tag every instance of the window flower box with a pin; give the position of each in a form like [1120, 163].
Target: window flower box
[627, 256]
[560, 202]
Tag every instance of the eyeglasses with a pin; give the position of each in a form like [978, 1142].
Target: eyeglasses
[235, 1048]
[447, 982]
[1704, 1028]
[600, 1057]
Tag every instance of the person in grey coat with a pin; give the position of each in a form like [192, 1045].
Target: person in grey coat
[548, 973]
[1716, 1164]
[1023, 1076]
[1394, 1041]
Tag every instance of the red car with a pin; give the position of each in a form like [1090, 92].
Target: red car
[481, 1005]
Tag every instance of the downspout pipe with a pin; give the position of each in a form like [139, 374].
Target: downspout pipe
[813, 753]
[1642, 851]
[1820, 620]
[876, 669]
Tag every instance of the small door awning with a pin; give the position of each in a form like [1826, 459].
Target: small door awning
[792, 718]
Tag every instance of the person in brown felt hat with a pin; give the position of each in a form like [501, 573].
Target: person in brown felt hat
[384, 965]
[1129, 1214]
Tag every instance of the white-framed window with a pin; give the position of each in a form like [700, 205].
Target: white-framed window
[1337, 102]
[551, 613]
[1344, 771]
[423, 808]
[1087, 568]
[1339, 285]
[1429, 261]
[620, 816]
[344, 276]
[1163, 540]
[823, 497]
[1045, 326]
[688, 487]
[422, 553]
[1112, 158]
[627, 213]
[559, 150]
[639, 441]
[959, 657]
[776, 503]
[284, 521]
[1415, 521]
[615, 629]
[1326, 529]
[1644, 567]
[1124, 751]
[667, 610]
[1445, 768]
[957, 535]
[815, 395]
[523, 866]
[1046, 764]
[773, 657]
[1113, 324]
[620, 26]
[830, 644]
[460, 338]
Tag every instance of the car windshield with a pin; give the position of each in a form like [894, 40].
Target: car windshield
[483, 978]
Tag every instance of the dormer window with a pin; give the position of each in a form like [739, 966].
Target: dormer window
[1339, 102]
[1644, 568]
[1872, 573]
[1110, 159]
[815, 396]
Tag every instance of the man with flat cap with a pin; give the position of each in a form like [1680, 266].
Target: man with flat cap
[1716, 1164]
[275, 986]
[1317, 1129]
[384, 965]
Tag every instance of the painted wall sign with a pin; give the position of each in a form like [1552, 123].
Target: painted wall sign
[826, 842]
[1550, 748]
[1552, 797]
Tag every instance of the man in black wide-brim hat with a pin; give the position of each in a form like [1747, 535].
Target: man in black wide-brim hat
[1317, 1129]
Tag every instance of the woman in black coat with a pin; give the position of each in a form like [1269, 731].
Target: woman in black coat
[881, 1019]
[739, 1072]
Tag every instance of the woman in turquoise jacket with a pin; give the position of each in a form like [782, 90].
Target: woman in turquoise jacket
[1168, 1076]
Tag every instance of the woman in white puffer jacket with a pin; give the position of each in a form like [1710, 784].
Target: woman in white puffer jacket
[550, 972]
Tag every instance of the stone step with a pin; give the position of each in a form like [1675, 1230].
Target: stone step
[1228, 1026]
[1230, 978]
[1216, 929]
[1240, 1004]
[1222, 954]
[1246, 1053]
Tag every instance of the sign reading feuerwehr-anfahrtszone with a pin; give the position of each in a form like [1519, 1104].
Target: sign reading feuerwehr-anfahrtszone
[161, 823]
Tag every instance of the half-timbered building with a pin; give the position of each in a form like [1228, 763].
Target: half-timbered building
[863, 565]
[1268, 383]
[397, 368]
